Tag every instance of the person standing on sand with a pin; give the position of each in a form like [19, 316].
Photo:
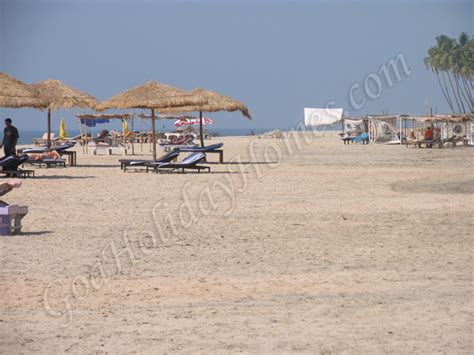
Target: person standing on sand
[10, 138]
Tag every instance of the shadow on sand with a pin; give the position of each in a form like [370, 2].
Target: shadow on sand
[31, 234]
[244, 162]
[59, 177]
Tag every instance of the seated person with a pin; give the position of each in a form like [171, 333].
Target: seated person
[103, 136]
[428, 134]
[52, 154]
[437, 134]
[411, 136]
[188, 138]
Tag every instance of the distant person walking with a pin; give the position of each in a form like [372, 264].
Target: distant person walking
[10, 138]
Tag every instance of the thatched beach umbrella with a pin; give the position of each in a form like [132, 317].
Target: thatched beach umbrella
[16, 94]
[151, 95]
[56, 95]
[209, 101]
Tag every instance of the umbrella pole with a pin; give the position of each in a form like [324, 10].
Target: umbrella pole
[200, 129]
[48, 144]
[153, 134]
[133, 136]
[142, 136]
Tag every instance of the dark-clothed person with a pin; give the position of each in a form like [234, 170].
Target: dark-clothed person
[10, 138]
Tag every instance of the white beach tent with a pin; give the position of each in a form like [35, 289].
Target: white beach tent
[384, 128]
[353, 126]
[314, 117]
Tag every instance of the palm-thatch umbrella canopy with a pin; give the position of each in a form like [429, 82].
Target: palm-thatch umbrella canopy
[210, 101]
[151, 95]
[16, 94]
[56, 95]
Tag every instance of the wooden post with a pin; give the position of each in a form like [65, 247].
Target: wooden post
[49, 129]
[123, 132]
[133, 135]
[200, 129]
[153, 134]
[142, 135]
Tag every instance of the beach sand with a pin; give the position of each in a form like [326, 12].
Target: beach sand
[307, 246]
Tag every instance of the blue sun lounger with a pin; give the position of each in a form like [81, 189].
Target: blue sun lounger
[47, 162]
[190, 162]
[133, 163]
[213, 148]
[61, 149]
[10, 166]
[361, 138]
[39, 150]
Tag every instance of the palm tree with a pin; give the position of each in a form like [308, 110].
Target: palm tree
[453, 63]
[462, 68]
[434, 62]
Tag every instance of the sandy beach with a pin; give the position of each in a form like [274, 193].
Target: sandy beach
[304, 246]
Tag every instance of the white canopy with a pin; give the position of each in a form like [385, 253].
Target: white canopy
[322, 116]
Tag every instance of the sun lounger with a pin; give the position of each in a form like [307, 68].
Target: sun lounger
[429, 143]
[183, 140]
[454, 140]
[361, 138]
[347, 139]
[44, 139]
[48, 162]
[190, 162]
[10, 166]
[213, 148]
[60, 148]
[134, 163]
[109, 149]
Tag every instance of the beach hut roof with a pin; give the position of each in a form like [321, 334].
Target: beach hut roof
[152, 95]
[210, 101]
[384, 117]
[445, 118]
[16, 94]
[57, 95]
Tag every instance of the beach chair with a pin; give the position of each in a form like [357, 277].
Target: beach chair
[347, 139]
[429, 143]
[454, 140]
[137, 163]
[190, 162]
[10, 166]
[183, 140]
[60, 148]
[361, 138]
[47, 162]
[213, 148]
[44, 139]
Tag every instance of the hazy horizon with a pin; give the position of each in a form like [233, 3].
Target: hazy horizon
[275, 57]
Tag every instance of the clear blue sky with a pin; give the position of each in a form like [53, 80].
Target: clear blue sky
[276, 56]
